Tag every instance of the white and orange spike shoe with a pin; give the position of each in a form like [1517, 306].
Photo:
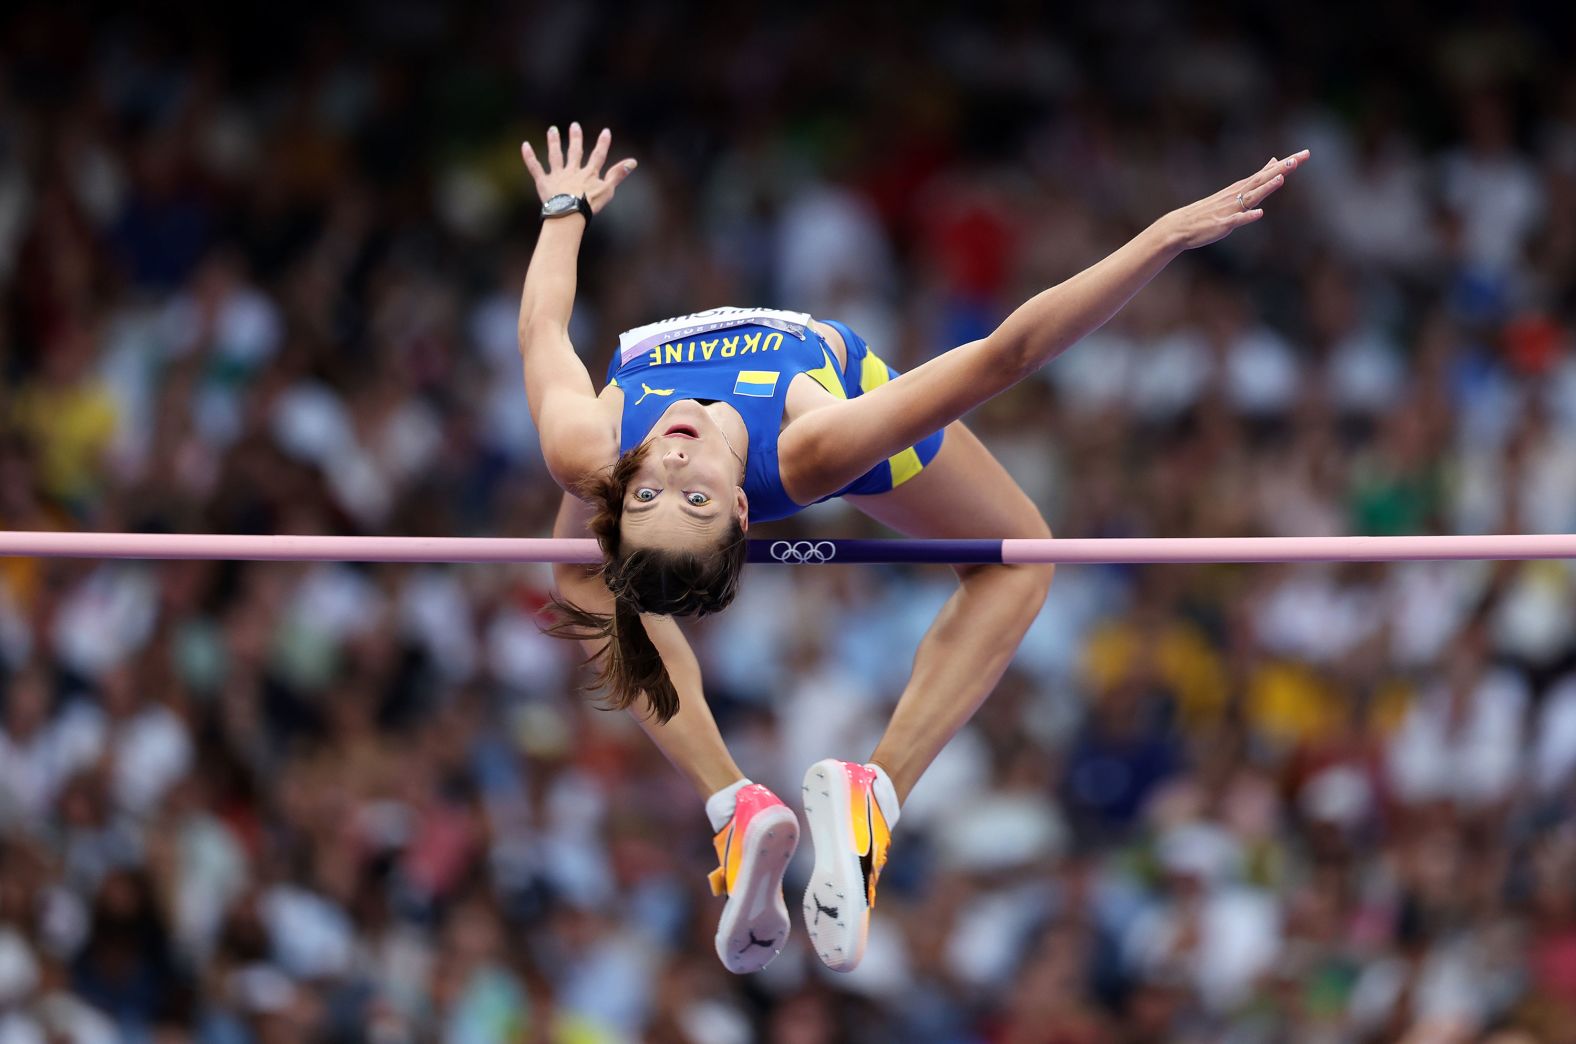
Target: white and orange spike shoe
[851, 836]
[752, 854]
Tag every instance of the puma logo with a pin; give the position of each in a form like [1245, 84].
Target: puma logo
[830, 911]
[764, 944]
[646, 389]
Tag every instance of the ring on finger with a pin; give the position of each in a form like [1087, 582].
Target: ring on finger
[1242, 201]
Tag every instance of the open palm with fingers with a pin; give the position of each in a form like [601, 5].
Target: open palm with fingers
[1218, 215]
[574, 173]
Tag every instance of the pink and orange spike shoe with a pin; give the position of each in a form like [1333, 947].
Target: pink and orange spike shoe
[752, 853]
[851, 836]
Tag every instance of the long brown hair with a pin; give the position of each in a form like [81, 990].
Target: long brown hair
[654, 581]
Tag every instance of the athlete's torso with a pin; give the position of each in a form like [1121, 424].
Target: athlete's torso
[745, 357]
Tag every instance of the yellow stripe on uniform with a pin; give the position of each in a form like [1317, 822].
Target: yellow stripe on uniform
[873, 374]
[826, 376]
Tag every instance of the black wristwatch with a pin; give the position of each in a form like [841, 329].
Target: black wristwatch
[564, 204]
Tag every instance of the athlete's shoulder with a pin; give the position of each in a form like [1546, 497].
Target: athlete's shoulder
[834, 340]
[585, 442]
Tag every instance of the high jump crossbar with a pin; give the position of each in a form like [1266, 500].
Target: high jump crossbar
[794, 552]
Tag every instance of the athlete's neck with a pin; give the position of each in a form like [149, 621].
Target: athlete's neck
[733, 429]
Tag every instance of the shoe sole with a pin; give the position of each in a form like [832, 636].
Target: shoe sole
[754, 924]
[836, 913]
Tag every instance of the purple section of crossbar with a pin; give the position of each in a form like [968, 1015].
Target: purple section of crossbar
[871, 552]
[1290, 549]
[792, 552]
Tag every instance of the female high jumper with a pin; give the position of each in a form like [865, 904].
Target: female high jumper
[711, 421]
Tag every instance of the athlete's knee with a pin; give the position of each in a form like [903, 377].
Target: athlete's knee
[1023, 587]
[1035, 579]
[1033, 582]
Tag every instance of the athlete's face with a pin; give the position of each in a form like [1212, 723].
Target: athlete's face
[686, 493]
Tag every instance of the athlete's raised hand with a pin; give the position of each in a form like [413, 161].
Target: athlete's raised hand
[1216, 216]
[568, 172]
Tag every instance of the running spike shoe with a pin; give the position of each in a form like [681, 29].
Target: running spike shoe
[850, 836]
[752, 853]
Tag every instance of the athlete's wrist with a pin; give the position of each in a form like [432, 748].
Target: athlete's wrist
[1164, 238]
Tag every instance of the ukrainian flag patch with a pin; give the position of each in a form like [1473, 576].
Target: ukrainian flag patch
[760, 384]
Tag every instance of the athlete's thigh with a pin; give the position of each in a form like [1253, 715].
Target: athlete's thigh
[963, 493]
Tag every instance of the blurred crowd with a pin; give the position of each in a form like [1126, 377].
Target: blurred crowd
[258, 274]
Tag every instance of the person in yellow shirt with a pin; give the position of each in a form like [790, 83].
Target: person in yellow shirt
[68, 415]
[1166, 649]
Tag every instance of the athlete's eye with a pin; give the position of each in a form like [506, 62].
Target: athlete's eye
[698, 499]
[645, 493]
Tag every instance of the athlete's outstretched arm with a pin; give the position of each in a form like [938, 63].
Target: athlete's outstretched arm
[827, 448]
[690, 738]
[556, 382]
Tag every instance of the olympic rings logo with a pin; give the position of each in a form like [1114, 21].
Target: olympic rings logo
[800, 552]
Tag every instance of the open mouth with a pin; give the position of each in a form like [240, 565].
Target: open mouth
[683, 431]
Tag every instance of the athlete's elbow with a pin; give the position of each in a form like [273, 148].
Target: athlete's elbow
[535, 328]
[526, 333]
[1013, 355]
[566, 470]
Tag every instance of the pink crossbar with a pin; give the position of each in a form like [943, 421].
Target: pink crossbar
[296, 548]
[1289, 549]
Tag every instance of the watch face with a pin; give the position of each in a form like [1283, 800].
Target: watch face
[563, 203]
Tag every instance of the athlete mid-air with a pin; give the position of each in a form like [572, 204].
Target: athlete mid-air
[712, 421]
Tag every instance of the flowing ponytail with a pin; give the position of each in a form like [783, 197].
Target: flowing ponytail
[651, 581]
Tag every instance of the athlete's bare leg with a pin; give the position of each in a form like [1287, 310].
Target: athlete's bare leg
[964, 492]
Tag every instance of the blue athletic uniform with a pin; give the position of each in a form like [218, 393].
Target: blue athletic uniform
[747, 357]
